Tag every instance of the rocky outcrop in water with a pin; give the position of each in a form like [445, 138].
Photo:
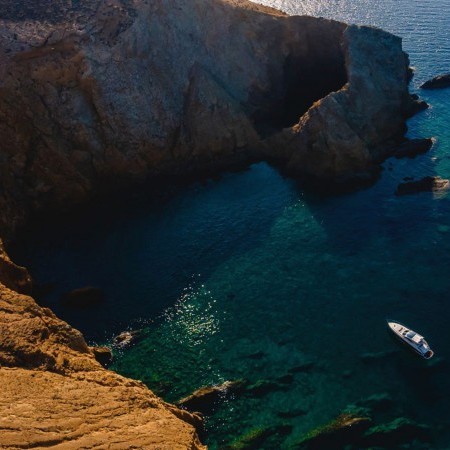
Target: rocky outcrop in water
[352, 431]
[426, 184]
[438, 82]
[413, 147]
[99, 94]
[13, 276]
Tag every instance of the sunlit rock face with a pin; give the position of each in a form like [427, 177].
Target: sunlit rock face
[54, 393]
[105, 93]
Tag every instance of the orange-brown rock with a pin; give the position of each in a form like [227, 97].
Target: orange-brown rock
[55, 393]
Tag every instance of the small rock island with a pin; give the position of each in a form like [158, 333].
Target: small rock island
[103, 94]
[438, 82]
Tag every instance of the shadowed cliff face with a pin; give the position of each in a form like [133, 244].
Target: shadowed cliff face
[111, 92]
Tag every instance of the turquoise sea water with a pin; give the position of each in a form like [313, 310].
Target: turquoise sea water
[249, 277]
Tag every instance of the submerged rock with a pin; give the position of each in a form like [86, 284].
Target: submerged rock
[378, 402]
[375, 356]
[417, 105]
[205, 399]
[126, 338]
[291, 413]
[264, 387]
[251, 440]
[438, 82]
[92, 99]
[426, 184]
[83, 297]
[255, 438]
[257, 355]
[336, 434]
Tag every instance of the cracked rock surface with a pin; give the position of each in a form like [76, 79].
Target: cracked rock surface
[55, 394]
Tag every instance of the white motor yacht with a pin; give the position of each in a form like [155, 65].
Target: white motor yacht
[413, 339]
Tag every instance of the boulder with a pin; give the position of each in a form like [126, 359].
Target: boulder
[399, 431]
[205, 399]
[417, 105]
[126, 338]
[413, 147]
[317, 96]
[83, 297]
[103, 355]
[438, 82]
[426, 184]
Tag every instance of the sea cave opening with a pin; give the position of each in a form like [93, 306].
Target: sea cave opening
[306, 76]
[307, 83]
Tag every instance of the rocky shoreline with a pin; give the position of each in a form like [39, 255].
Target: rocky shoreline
[101, 95]
[111, 93]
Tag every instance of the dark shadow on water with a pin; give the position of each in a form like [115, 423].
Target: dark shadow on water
[141, 250]
[353, 215]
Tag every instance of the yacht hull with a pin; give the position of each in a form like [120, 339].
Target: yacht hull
[411, 338]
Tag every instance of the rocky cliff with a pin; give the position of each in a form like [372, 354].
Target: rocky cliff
[97, 94]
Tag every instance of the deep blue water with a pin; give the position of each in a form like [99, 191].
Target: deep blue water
[250, 277]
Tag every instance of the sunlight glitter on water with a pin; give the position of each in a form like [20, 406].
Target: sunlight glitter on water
[194, 317]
